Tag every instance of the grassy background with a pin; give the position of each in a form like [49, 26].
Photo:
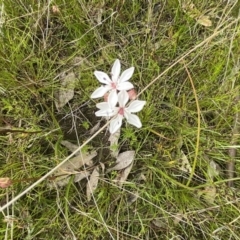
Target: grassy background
[38, 45]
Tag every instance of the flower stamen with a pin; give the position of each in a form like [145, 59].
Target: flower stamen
[114, 85]
[121, 111]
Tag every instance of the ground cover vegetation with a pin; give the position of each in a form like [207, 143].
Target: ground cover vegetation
[183, 181]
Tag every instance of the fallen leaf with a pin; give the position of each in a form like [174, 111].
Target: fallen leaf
[55, 9]
[69, 168]
[60, 181]
[205, 21]
[123, 175]
[92, 183]
[123, 160]
[79, 176]
[142, 177]
[184, 163]
[66, 93]
[113, 139]
[5, 182]
[132, 197]
[190, 9]
[70, 146]
[102, 166]
[208, 193]
[213, 169]
[94, 128]
[178, 218]
[157, 223]
[76, 162]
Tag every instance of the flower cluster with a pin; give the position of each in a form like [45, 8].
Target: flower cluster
[115, 88]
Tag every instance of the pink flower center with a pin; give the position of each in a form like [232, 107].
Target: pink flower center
[121, 111]
[113, 85]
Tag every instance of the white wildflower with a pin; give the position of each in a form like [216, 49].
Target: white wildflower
[122, 111]
[116, 83]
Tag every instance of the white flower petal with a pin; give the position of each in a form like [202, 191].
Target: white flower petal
[113, 98]
[115, 124]
[101, 113]
[99, 92]
[123, 98]
[102, 105]
[124, 86]
[134, 120]
[102, 77]
[136, 106]
[126, 75]
[116, 68]
[109, 112]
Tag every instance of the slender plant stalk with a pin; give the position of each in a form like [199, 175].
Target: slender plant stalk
[52, 171]
[198, 126]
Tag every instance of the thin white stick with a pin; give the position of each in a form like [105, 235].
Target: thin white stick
[52, 171]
